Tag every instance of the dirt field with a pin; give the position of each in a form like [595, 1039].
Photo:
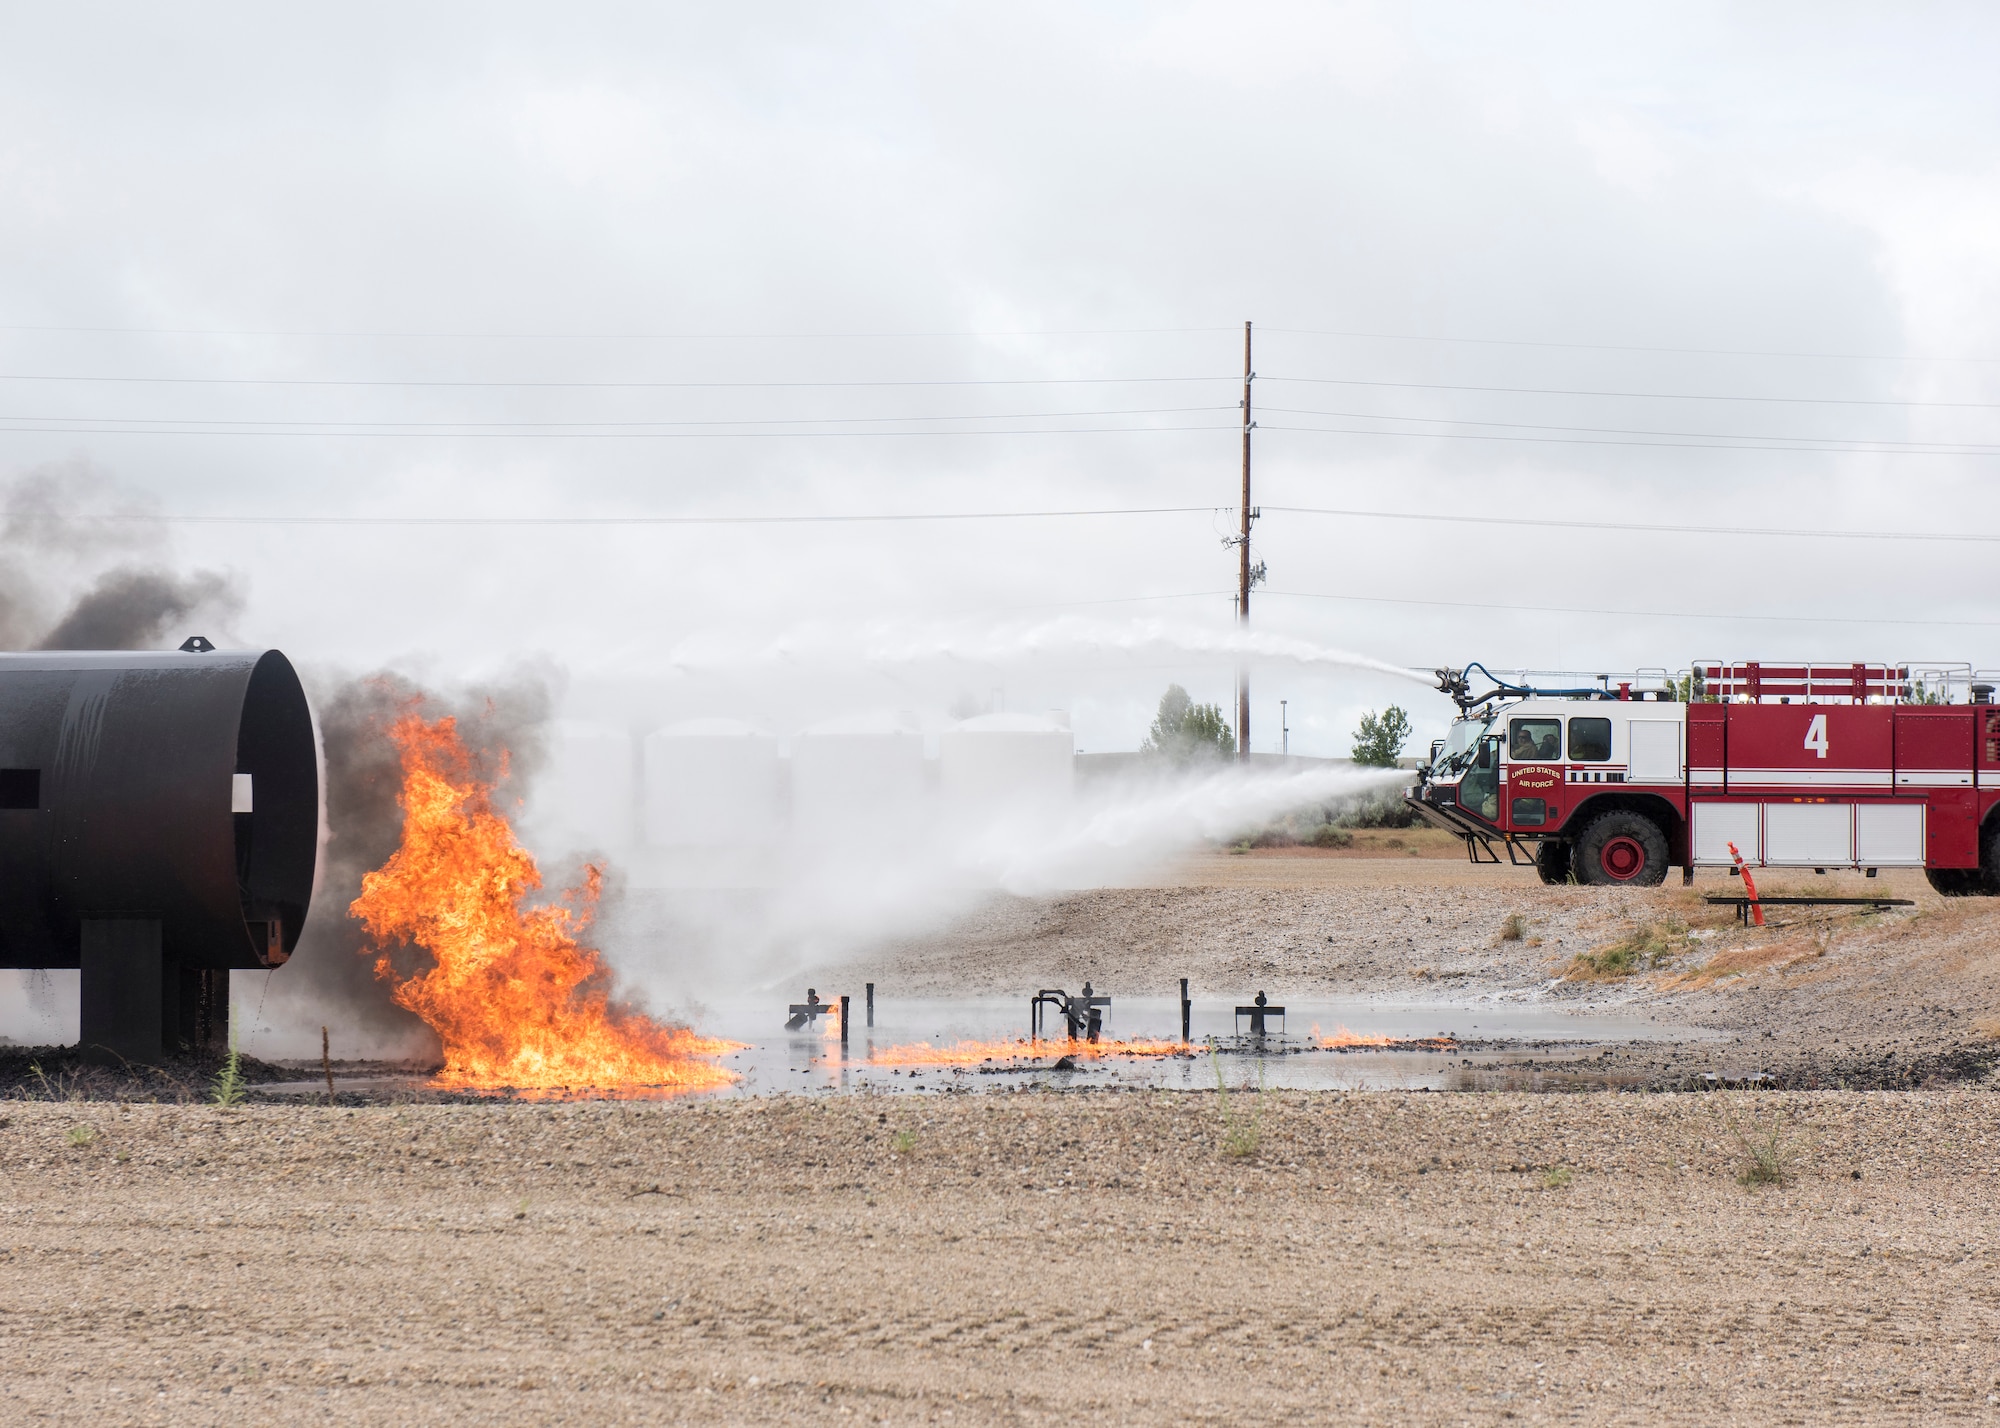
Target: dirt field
[1047, 1257]
[1005, 1259]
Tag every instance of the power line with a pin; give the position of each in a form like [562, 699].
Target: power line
[1632, 396]
[616, 435]
[618, 336]
[1860, 443]
[1647, 529]
[1605, 441]
[400, 426]
[1634, 614]
[122, 517]
[1617, 347]
[421, 383]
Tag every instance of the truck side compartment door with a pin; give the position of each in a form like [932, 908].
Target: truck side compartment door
[1708, 726]
[1935, 752]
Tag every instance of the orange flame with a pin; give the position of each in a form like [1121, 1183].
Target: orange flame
[1343, 1039]
[971, 1053]
[517, 1001]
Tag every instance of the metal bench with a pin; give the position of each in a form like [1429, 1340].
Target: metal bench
[1744, 904]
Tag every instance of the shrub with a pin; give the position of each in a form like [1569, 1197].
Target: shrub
[1328, 836]
[1513, 927]
[1185, 731]
[1379, 741]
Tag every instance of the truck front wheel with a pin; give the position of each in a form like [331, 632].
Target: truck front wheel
[1552, 861]
[1621, 849]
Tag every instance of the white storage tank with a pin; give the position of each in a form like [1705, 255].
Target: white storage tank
[711, 782]
[863, 771]
[593, 785]
[997, 760]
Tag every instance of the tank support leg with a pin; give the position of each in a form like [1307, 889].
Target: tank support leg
[124, 990]
[195, 1010]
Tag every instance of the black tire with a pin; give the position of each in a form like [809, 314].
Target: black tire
[1552, 861]
[1954, 882]
[1621, 849]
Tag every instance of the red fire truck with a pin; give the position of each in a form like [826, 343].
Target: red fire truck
[1861, 766]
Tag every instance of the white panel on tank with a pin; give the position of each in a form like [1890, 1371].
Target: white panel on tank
[1001, 759]
[857, 772]
[592, 782]
[1889, 835]
[1808, 835]
[1653, 751]
[1717, 825]
[710, 782]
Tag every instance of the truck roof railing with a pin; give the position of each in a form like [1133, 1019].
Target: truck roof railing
[1903, 682]
[1748, 681]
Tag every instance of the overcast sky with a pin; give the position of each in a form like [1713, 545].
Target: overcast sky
[425, 260]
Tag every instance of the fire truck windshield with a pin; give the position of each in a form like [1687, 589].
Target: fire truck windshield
[1458, 743]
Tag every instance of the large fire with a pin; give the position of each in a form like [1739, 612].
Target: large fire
[972, 1053]
[516, 999]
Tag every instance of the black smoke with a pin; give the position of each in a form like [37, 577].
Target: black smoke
[137, 609]
[83, 565]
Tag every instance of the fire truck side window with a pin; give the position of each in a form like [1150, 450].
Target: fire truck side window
[1529, 740]
[1589, 740]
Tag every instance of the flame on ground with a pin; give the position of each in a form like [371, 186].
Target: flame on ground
[972, 1053]
[517, 1001]
[1343, 1039]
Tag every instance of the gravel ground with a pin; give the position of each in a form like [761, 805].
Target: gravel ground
[1006, 1259]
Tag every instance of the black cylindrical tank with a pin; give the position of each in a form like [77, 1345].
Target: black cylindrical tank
[180, 789]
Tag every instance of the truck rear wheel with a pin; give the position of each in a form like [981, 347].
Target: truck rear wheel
[1552, 861]
[1954, 882]
[1621, 849]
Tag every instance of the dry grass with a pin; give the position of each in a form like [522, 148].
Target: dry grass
[1785, 954]
[1644, 947]
[1513, 927]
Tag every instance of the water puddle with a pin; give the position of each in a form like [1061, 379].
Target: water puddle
[968, 1046]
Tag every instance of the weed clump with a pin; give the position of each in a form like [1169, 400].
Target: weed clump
[80, 1136]
[1557, 1177]
[1513, 927]
[1767, 1154]
[1329, 836]
[903, 1142]
[1645, 947]
[1769, 1157]
[228, 1088]
[1242, 1136]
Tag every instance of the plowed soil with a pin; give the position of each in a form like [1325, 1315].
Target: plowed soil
[1006, 1259]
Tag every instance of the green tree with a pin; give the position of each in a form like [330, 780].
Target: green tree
[1186, 731]
[1378, 743]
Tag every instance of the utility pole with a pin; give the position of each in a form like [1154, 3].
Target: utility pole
[1284, 728]
[1245, 577]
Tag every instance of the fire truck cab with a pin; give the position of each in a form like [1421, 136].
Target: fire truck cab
[1805, 766]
